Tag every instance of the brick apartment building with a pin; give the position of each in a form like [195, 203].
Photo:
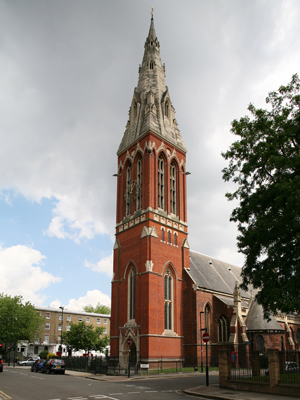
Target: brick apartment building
[55, 322]
[161, 290]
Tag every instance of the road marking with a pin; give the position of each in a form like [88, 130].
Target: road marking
[6, 396]
[102, 396]
[151, 391]
[22, 374]
[114, 394]
[133, 392]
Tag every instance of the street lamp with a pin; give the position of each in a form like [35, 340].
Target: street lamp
[62, 321]
[201, 312]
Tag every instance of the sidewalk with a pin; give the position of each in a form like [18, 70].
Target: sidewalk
[203, 392]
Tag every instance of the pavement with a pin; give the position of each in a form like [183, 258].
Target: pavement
[203, 392]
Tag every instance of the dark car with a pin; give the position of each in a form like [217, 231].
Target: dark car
[1, 363]
[37, 365]
[54, 365]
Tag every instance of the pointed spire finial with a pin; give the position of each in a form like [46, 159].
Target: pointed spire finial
[152, 10]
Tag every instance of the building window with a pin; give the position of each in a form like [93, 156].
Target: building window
[168, 289]
[87, 320]
[47, 326]
[98, 320]
[139, 185]
[105, 331]
[161, 182]
[46, 341]
[128, 190]
[59, 327]
[68, 328]
[69, 318]
[48, 315]
[135, 110]
[207, 318]
[80, 319]
[281, 344]
[223, 329]
[175, 239]
[169, 237]
[260, 344]
[167, 109]
[162, 234]
[37, 339]
[151, 64]
[60, 317]
[298, 336]
[105, 321]
[173, 189]
[131, 294]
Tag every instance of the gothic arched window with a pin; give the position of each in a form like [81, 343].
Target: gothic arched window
[167, 109]
[131, 294]
[175, 239]
[223, 329]
[207, 318]
[282, 343]
[135, 110]
[260, 344]
[173, 188]
[161, 182]
[151, 64]
[169, 237]
[128, 190]
[139, 185]
[168, 301]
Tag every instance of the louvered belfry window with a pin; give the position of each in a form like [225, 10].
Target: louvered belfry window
[161, 183]
[173, 188]
[139, 185]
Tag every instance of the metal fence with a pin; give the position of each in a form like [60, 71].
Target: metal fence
[289, 367]
[249, 365]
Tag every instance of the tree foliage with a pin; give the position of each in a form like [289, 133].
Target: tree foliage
[265, 164]
[99, 309]
[18, 320]
[85, 337]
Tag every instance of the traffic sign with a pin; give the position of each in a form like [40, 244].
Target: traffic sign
[129, 341]
[205, 337]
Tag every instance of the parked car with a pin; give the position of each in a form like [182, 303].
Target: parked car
[289, 368]
[27, 362]
[54, 365]
[37, 365]
[1, 363]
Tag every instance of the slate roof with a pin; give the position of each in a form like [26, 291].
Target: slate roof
[255, 320]
[215, 275]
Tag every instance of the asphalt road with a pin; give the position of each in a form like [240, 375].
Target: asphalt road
[22, 384]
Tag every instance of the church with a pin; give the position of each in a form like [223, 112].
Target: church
[164, 295]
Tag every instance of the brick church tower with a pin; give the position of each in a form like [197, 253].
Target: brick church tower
[151, 248]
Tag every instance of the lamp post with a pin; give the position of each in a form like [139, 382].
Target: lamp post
[62, 321]
[201, 312]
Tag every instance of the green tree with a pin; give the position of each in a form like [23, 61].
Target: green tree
[99, 309]
[85, 337]
[18, 320]
[265, 164]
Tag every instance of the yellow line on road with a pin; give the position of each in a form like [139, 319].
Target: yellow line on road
[6, 396]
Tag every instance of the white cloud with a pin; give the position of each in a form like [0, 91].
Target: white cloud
[93, 297]
[21, 273]
[104, 265]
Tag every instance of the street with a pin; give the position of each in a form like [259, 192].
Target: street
[22, 384]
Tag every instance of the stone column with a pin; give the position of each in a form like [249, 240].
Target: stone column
[274, 367]
[224, 367]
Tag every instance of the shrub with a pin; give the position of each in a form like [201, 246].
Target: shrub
[44, 353]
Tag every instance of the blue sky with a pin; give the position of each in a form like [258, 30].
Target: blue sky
[68, 71]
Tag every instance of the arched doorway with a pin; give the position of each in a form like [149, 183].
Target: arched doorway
[133, 358]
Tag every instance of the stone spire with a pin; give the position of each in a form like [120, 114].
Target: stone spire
[151, 107]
